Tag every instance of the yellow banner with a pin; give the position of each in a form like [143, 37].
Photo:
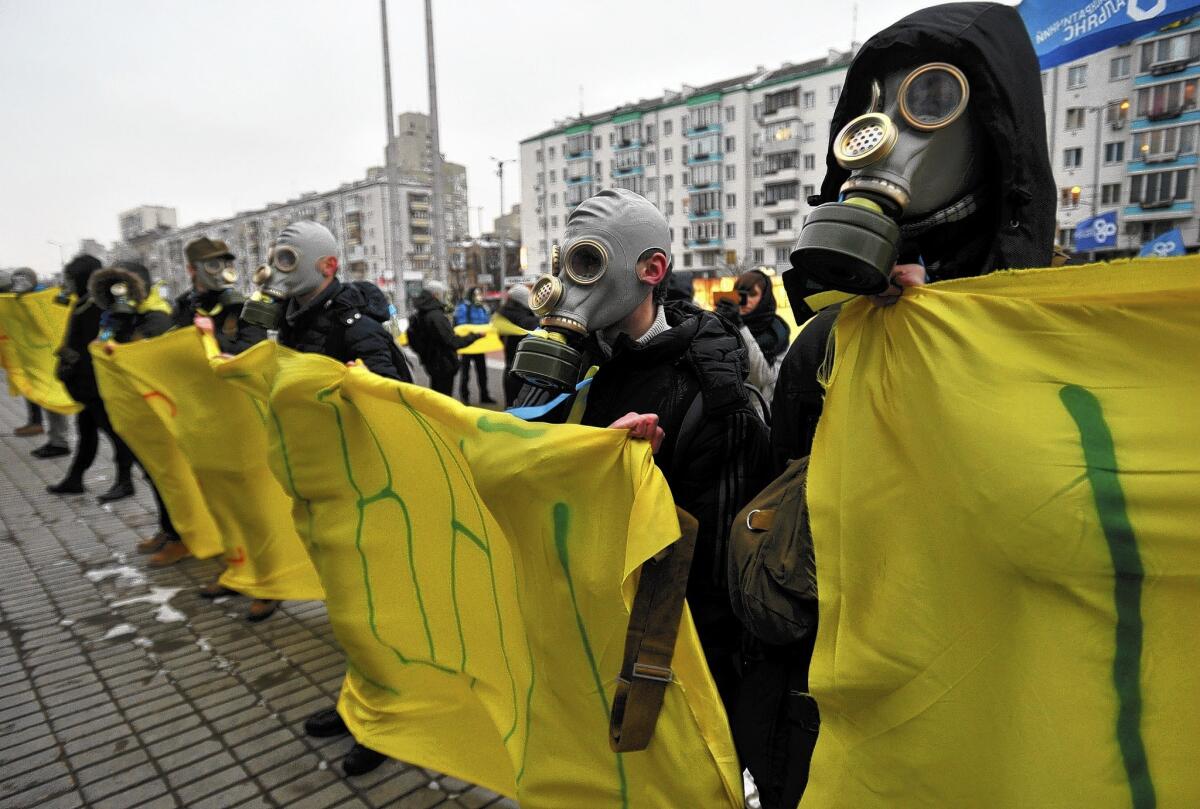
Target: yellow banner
[479, 571]
[484, 345]
[204, 443]
[1005, 497]
[32, 326]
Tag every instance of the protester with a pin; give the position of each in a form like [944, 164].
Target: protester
[19, 282]
[671, 372]
[430, 335]
[972, 194]
[470, 310]
[315, 312]
[764, 332]
[516, 310]
[131, 310]
[211, 268]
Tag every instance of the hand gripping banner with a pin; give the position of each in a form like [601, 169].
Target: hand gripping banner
[32, 326]
[204, 442]
[479, 572]
[1005, 499]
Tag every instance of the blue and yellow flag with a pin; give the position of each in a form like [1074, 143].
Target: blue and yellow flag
[479, 572]
[32, 326]
[1005, 502]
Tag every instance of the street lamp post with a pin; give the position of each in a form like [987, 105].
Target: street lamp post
[62, 257]
[503, 244]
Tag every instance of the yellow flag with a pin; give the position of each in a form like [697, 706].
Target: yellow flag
[32, 326]
[479, 571]
[485, 345]
[204, 443]
[506, 328]
[1005, 502]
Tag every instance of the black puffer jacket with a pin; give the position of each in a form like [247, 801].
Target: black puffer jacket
[74, 368]
[345, 321]
[233, 334]
[432, 337]
[521, 315]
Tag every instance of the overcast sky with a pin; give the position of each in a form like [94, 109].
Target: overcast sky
[214, 106]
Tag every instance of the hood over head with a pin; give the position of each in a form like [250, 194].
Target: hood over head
[79, 270]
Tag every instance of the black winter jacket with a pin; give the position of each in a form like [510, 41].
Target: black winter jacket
[233, 334]
[345, 322]
[432, 337]
[519, 315]
[74, 368]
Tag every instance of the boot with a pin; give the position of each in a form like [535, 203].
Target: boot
[172, 552]
[66, 486]
[324, 724]
[361, 760]
[261, 609]
[154, 544]
[28, 430]
[119, 491]
[50, 451]
[216, 590]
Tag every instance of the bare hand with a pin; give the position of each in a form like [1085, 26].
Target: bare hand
[903, 275]
[204, 324]
[643, 427]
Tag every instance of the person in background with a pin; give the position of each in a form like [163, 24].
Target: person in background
[430, 335]
[516, 310]
[213, 296]
[765, 333]
[470, 310]
[21, 281]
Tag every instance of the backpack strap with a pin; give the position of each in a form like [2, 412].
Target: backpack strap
[650, 641]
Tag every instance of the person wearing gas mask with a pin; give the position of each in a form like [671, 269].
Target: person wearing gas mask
[472, 311]
[937, 168]
[75, 371]
[19, 282]
[433, 340]
[301, 296]
[765, 334]
[213, 303]
[131, 311]
[614, 353]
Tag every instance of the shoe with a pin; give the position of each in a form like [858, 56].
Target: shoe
[27, 430]
[66, 486]
[361, 760]
[154, 544]
[261, 609]
[119, 491]
[324, 724]
[216, 590]
[172, 552]
[50, 451]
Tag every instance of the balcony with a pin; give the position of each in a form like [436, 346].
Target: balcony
[692, 132]
[1168, 66]
[627, 143]
[417, 205]
[1166, 113]
[705, 213]
[781, 205]
[420, 238]
[712, 185]
[579, 155]
[704, 244]
[772, 114]
[1161, 157]
[628, 171]
[587, 178]
[706, 157]
[780, 145]
[780, 236]
[781, 174]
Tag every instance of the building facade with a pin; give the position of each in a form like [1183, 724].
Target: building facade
[731, 164]
[411, 151]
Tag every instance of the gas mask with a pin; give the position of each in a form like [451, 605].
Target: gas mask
[913, 162]
[118, 291]
[218, 275]
[593, 284]
[23, 280]
[290, 272]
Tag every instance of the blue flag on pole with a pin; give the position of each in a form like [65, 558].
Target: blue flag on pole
[1097, 233]
[1063, 30]
[1168, 244]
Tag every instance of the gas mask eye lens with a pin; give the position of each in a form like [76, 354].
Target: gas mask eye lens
[586, 261]
[284, 258]
[933, 96]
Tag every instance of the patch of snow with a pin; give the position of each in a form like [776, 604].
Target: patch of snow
[166, 614]
[323, 765]
[145, 643]
[204, 644]
[126, 576]
[434, 785]
[119, 630]
[107, 507]
[220, 600]
[66, 622]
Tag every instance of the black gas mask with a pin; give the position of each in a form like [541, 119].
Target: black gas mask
[218, 275]
[914, 162]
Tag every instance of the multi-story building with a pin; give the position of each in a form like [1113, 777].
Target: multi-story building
[145, 220]
[731, 164]
[412, 152]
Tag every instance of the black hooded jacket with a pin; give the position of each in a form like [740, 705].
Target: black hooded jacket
[521, 315]
[74, 367]
[345, 322]
[1014, 227]
[431, 336]
[233, 334]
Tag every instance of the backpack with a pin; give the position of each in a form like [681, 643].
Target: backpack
[377, 309]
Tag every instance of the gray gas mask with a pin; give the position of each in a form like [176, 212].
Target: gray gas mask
[218, 275]
[290, 272]
[593, 283]
[913, 163]
[23, 280]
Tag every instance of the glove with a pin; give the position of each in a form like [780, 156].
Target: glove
[729, 310]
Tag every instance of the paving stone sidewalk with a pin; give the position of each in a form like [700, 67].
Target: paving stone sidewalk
[104, 702]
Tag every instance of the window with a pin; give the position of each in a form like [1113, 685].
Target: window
[705, 174]
[554, 200]
[554, 221]
[782, 254]
[651, 184]
[1076, 76]
[553, 176]
[1110, 194]
[1116, 112]
[781, 160]
[669, 208]
[1066, 237]
[667, 155]
[597, 142]
[702, 146]
[781, 192]
[730, 114]
[1118, 68]
[1182, 48]
[1164, 144]
[757, 168]
[1160, 188]
[612, 138]
[730, 230]
[1114, 152]
[757, 253]
[651, 157]
[668, 182]
[576, 170]
[629, 134]
[577, 194]
[1166, 100]
[730, 201]
[758, 227]
[758, 199]
[810, 162]
[1044, 76]
[810, 99]
[577, 145]
[1069, 197]
[731, 172]
[1075, 116]
[634, 183]
[701, 117]
[539, 156]
[705, 203]
[683, 175]
[649, 133]
[707, 231]
[627, 159]
[773, 102]
[671, 234]
[551, 152]
[783, 223]
[756, 109]
[1152, 230]
[835, 93]
[730, 145]
[1072, 158]
[667, 127]
[599, 168]
[687, 258]
[809, 129]
[541, 178]
[683, 154]
[809, 190]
